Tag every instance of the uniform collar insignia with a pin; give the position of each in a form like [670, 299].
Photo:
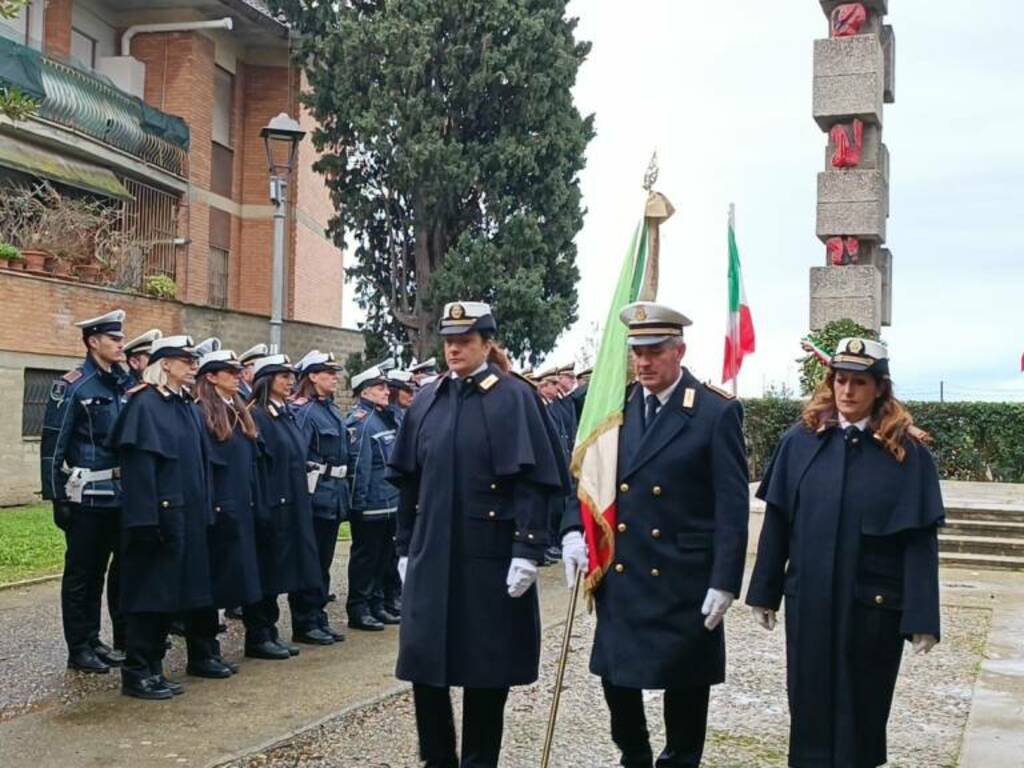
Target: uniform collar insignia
[689, 397]
[273, 410]
[165, 393]
[488, 381]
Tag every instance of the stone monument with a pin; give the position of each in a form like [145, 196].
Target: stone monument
[853, 79]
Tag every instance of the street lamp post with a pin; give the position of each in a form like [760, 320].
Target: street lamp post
[281, 139]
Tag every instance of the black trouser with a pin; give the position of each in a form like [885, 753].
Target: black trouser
[483, 720]
[201, 634]
[260, 620]
[308, 606]
[92, 537]
[686, 720]
[391, 589]
[368, 565]
[145, 644]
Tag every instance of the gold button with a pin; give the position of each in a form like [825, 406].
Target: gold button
[655, 572]
[494, 487]
[879, 599]
[619, 567]
[656, 533]
[529, 536]
[283, 500]
[492, 513]
[216, 509]
[165, 504]
[656, 490]
[624, 487]
[621, 527]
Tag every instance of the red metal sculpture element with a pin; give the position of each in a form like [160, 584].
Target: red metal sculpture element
[847, 19]
[849, 143]
[842, 250]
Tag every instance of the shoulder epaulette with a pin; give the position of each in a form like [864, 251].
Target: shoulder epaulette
[488, 382]
[72, 376]
[137, 388]
[164, 393]
[719, 391]
[523, 379]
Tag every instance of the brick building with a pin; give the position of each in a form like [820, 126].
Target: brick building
[167, 124]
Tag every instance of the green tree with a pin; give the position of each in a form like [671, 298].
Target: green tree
[813, 371]
[452, 151]
[14, 104]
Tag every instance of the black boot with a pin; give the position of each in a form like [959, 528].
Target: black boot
[366, 622]
[108, 655]
[151, 688]
[268, 649]
[87, 660]
[208, 667]
[314, 636]
[384, 616]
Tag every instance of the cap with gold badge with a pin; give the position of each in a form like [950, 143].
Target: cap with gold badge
[219, 360]
[271, 364]
[253, 353]
[861, 356]
[316, 361]
[650, 323]
[111, 324]
[141, 345]
[172, 346]
[461, 317]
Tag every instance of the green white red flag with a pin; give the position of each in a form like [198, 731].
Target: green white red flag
[739, 335]
[595, 459]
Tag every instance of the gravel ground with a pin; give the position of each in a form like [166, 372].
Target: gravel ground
[748, 718]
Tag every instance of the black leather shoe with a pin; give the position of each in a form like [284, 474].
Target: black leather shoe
[208, 667]
[229, 664]
[267, 650]
[233, 613]
[366, 622]
[339, 636]
[108, 655]
[386, 617]
[173, 686]
[315, 636]
[395, 609]
[87, 660]
[293, 650]
[150, 688]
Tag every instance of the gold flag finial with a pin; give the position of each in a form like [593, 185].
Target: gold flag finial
[651, 175]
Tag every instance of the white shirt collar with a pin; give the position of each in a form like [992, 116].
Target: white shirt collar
[861, 425]
[666, 393]
[477, 372]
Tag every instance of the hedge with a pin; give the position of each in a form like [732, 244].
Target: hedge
[970, 441]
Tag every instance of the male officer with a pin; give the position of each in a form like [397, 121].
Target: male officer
[401, 391]
[137, 351]
[371, 426]
[424, 373]
[563, 416]
[248, 360]
[80, 477]
[679, 547]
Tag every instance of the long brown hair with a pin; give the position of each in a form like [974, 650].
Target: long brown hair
[220, 419]
[890, 420]
[305, 389]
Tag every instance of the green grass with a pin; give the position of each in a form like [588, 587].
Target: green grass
[345, 532]
[30, 544]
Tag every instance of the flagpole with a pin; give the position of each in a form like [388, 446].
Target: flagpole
[657, 211]
[563, 657]
[736, 373]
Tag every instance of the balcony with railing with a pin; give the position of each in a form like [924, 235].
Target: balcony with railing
[90, 104]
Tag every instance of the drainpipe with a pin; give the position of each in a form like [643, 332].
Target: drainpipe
[171, 26]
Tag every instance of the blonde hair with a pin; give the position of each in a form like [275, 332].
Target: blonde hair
[154, 375]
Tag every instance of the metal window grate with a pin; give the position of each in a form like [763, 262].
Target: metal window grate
[38, 385]
[151, 221]
[217, 273]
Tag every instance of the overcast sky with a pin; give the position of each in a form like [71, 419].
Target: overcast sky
[723, 91]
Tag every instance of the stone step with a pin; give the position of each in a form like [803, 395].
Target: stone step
[985, 511]
[1010, 529]
[981, 562]
[981, 545]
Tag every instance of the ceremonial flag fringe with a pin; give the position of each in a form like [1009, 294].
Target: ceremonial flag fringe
[595, 458]
[739, 335]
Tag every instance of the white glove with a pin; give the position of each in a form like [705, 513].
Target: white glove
[574, 556]
[716, 604]
[924, 643]
[765, 617]
[522, 574]
[403, 563]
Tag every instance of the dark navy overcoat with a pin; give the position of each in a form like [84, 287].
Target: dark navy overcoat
[234, 561]
[323, 430]
[683, 504]
[286, 544]
[850, 539]
[478, 465]
[159, 442]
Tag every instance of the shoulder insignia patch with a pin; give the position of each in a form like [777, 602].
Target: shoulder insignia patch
[72, 376]
[533, 384]
[689, 397]
[137, 388]
[488, 382]
[58, 391]
[723, 393]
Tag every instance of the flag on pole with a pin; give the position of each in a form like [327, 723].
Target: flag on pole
[595, 458]
[739, 335]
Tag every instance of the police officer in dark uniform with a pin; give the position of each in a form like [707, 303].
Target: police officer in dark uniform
[424, 373]
[402, 392]
[248, 360]
[371, 428]
[478, 464]
[850, 538]
[137, 350]
[323, 430]
[167, 512]
[81, 477]
[679, 547]
[563, 414]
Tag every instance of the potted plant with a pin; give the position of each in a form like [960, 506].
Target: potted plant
[160, 287]
[10, 257]
[88, 273]
[35, 260]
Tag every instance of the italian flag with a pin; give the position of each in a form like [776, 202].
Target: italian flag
[739, 335]
[595, 458]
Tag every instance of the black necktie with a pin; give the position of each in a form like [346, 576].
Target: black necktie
[653, 405]
[852, 436]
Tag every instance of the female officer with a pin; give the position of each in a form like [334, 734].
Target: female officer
[287, 548]
[850, 538]
[477, 464]
[165, 561]
[323, 434]
[231, 453]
